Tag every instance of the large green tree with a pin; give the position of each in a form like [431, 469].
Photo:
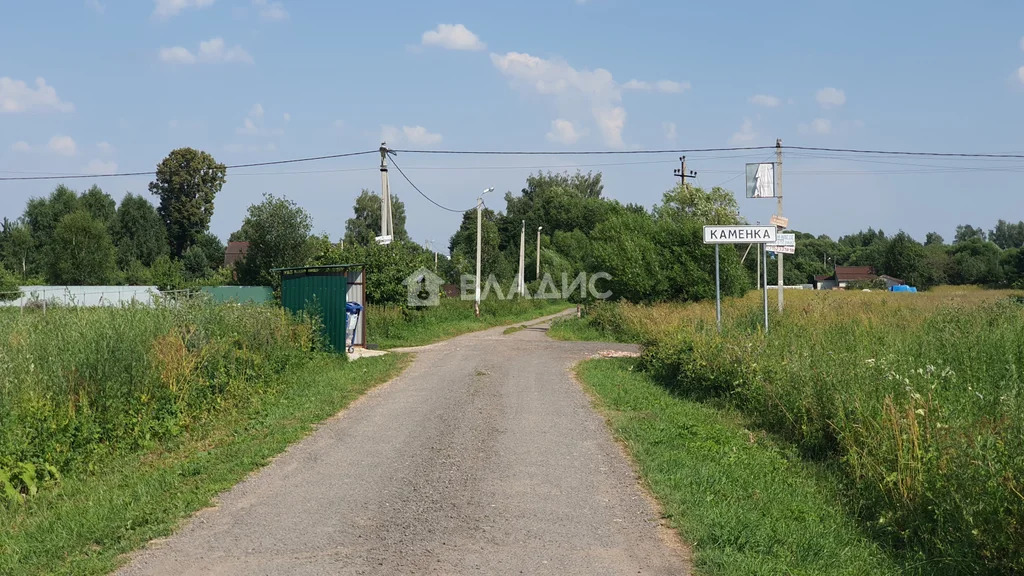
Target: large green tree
[364, 225]
[42, 216]
[138, 231]
[9, 285]
[81, 252]
[904, 258]
[1007, 234]
[213, 249]
[278, 233]
[187, 181]
[98, 204]
[17, 247]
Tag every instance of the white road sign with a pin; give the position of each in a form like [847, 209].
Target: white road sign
[779, 249]
[739, 234]
[784, 239]
[780, 221]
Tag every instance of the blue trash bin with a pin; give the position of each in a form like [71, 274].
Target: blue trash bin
[352, 311]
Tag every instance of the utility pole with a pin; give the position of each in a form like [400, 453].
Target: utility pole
[681, 172]
[522, 261]
[778, 195]
[539, 228]
[479, 204]
[758, 279]
[386, 226]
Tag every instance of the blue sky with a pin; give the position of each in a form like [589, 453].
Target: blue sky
[101, 85]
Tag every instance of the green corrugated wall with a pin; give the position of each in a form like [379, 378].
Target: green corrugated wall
[328, 290]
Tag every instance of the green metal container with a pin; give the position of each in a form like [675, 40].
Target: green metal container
[322, 290]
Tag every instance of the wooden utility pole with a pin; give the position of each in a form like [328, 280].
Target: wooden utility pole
[681, 172]
[778, 195]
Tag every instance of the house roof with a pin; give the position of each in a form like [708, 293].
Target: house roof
[854, 273]
[892, 279]
[822, 277]
[234, 252]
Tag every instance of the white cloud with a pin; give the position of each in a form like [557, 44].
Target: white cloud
[17, 96]
[417, 135]
[271, 11]
[452, 37]
[287, 117]
[1020, 74]
[96, 6]
[746, 133]
[21, 146]
[177, 55]
[821, 125]
[764, 100]
[101, 167]
[563, 132]
[63, 145]
[256, 111]
[573, 89]
[212, 51]
[248, 128]
[670, 131]
[169, 8]
[666, 86]
[104, 147]
[831, 98]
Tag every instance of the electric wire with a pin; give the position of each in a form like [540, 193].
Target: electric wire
[416, 188]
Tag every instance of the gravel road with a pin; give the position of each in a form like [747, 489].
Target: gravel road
[483, 457]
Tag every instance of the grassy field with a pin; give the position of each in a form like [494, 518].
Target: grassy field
[117, 423]
[914, 400]
[394, 327]
[747, 504]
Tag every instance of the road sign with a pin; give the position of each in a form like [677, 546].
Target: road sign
[739, 234]
[780, 249]
[780, 221]
[761, 180]
[384, 240]
[784, 239]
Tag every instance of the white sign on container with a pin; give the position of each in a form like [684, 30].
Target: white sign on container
[739, 234]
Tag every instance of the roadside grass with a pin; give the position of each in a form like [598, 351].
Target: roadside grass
[912, 400]
[395, 327]
[513, 329]
[86, 523]
[746, 502]
[580, 330]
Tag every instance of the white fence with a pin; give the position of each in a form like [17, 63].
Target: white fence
[88, 296]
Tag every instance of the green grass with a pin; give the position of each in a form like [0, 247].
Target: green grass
[88, 521]
[398, 327]
[513, 329]
[580, 330]
[745, 502]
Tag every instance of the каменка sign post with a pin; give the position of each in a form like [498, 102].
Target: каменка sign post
[739, 235]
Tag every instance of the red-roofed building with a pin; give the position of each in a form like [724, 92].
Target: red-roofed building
[235, 252]
[845, 275]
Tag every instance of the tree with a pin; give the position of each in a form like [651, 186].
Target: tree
[364, 226]
[194, 264]
[9, 285]
[213, 249]
[99, 205]
[966, 233]
[558, 202]
[186, 183]
[1007, 235]
[278, 232]
[624, 247]
[167, 274]
[904, 258]
[462, 247]
[81, 252]
[717, 206]
[933, 239]
[17, 248]
[42, 216]
[975, 261]
[138, 231]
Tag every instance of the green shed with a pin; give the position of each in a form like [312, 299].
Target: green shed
[327, 289]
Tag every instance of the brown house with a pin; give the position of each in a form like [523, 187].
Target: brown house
[235, 252]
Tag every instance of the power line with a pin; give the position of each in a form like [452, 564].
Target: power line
[230, 167]
[905, 153]
[416, 188]
[582, 152]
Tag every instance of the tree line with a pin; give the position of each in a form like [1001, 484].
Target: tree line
[651, 254]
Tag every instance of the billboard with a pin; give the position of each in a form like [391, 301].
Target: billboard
[761, 180]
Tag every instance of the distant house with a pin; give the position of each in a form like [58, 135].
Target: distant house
[845, 275]
[234, 253]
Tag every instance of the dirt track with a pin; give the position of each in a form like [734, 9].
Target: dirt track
[484, 457]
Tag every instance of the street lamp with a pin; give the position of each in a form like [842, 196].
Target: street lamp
[479, 204]
[539, 228]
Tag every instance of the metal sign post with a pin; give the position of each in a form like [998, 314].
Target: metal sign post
[739, 235]
[764, 284]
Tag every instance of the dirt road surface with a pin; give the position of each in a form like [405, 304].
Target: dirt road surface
[483, 457]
